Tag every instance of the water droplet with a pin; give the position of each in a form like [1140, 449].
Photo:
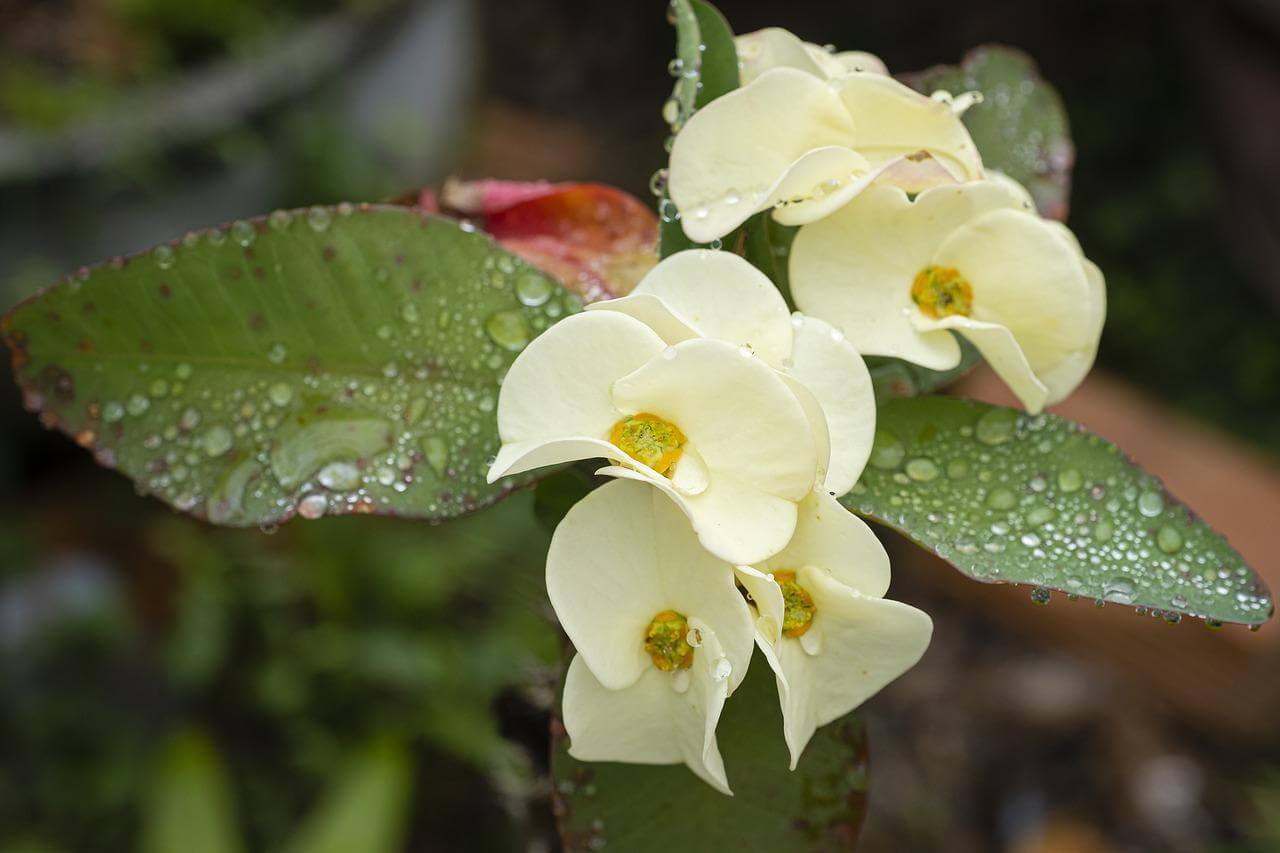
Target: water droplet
[280, 220]
[1041, 515]
[318, 218]
[1103, 531]
[670, 111]
[996, 426]
[922, 470]
[313, 506]
[1150, 504]
[339, 476]
[887, 452]
[1041, 595]
[533, 289]
[277, 353]
[280, 394]
[437, 453]
[112, 411]
[243, 232]
[216, 440]
[508, 329]
[958, 469]
[1169, 539]
[658, 182]
[1070, 480]
[137, 405]
[1002, 499]
[723, 669]
[1119, 590]
[163, 256]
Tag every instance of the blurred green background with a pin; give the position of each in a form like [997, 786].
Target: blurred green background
[368, 684]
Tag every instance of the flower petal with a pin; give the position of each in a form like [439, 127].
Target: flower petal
[817, 422]
[718, 295]
[623, 554]
[1030, 279]
[832, 538]
[773, 47]
[830, 367]
[730, 157]
[845, 270]
[648, 722]
[1000, 349]
[559, 386]
[893, 120]
[737, 523]
[866, 643]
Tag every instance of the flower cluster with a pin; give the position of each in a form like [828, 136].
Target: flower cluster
[730, 425]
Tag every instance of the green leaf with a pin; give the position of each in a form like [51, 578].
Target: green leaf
[768, 247]
[1021, 125]
[706, 66]
[1008, 497]
[189, 805]
[633, 807]
[367, 807]
[323, 361]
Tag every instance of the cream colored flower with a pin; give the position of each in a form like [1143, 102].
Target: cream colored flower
[707, 294]
[898, 276]
[831, 637]
[662, 633]
[723, 433]
[774, 47]
[804, 145]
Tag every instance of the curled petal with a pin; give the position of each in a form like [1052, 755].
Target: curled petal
[866, 642]
[731, 157]
[648, 722]
[832, 538]
[893, 120]
[623, 554]
[774, 47]
[559, 387]
[713, 295]
[1032, 281]
[828, 365]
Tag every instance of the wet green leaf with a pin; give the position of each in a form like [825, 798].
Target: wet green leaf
[325, 361]
[706, 66]
[632, 807]
[1008, 497]
[1021, 125]
[367, 807]
[189, 805]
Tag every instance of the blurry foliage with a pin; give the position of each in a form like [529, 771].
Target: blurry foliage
[289, 651]
[60, 62]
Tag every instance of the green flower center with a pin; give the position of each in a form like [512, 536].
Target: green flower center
[799, 607]
[649, 439]
[666, 641]
[942, 292]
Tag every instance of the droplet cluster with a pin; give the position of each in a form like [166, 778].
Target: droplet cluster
[318, 361]
[1036, 500]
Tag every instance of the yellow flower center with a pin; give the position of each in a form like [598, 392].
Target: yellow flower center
[799, 607]
[942, 292]
[666, 641]
[649, 439]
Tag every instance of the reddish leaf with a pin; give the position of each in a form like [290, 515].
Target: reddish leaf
[599, 241]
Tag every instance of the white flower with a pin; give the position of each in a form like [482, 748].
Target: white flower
[803, 145]
[899, 275]
[663, 634]
[723, 433]
[774, 47]
[709, 294]
[831, 637]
